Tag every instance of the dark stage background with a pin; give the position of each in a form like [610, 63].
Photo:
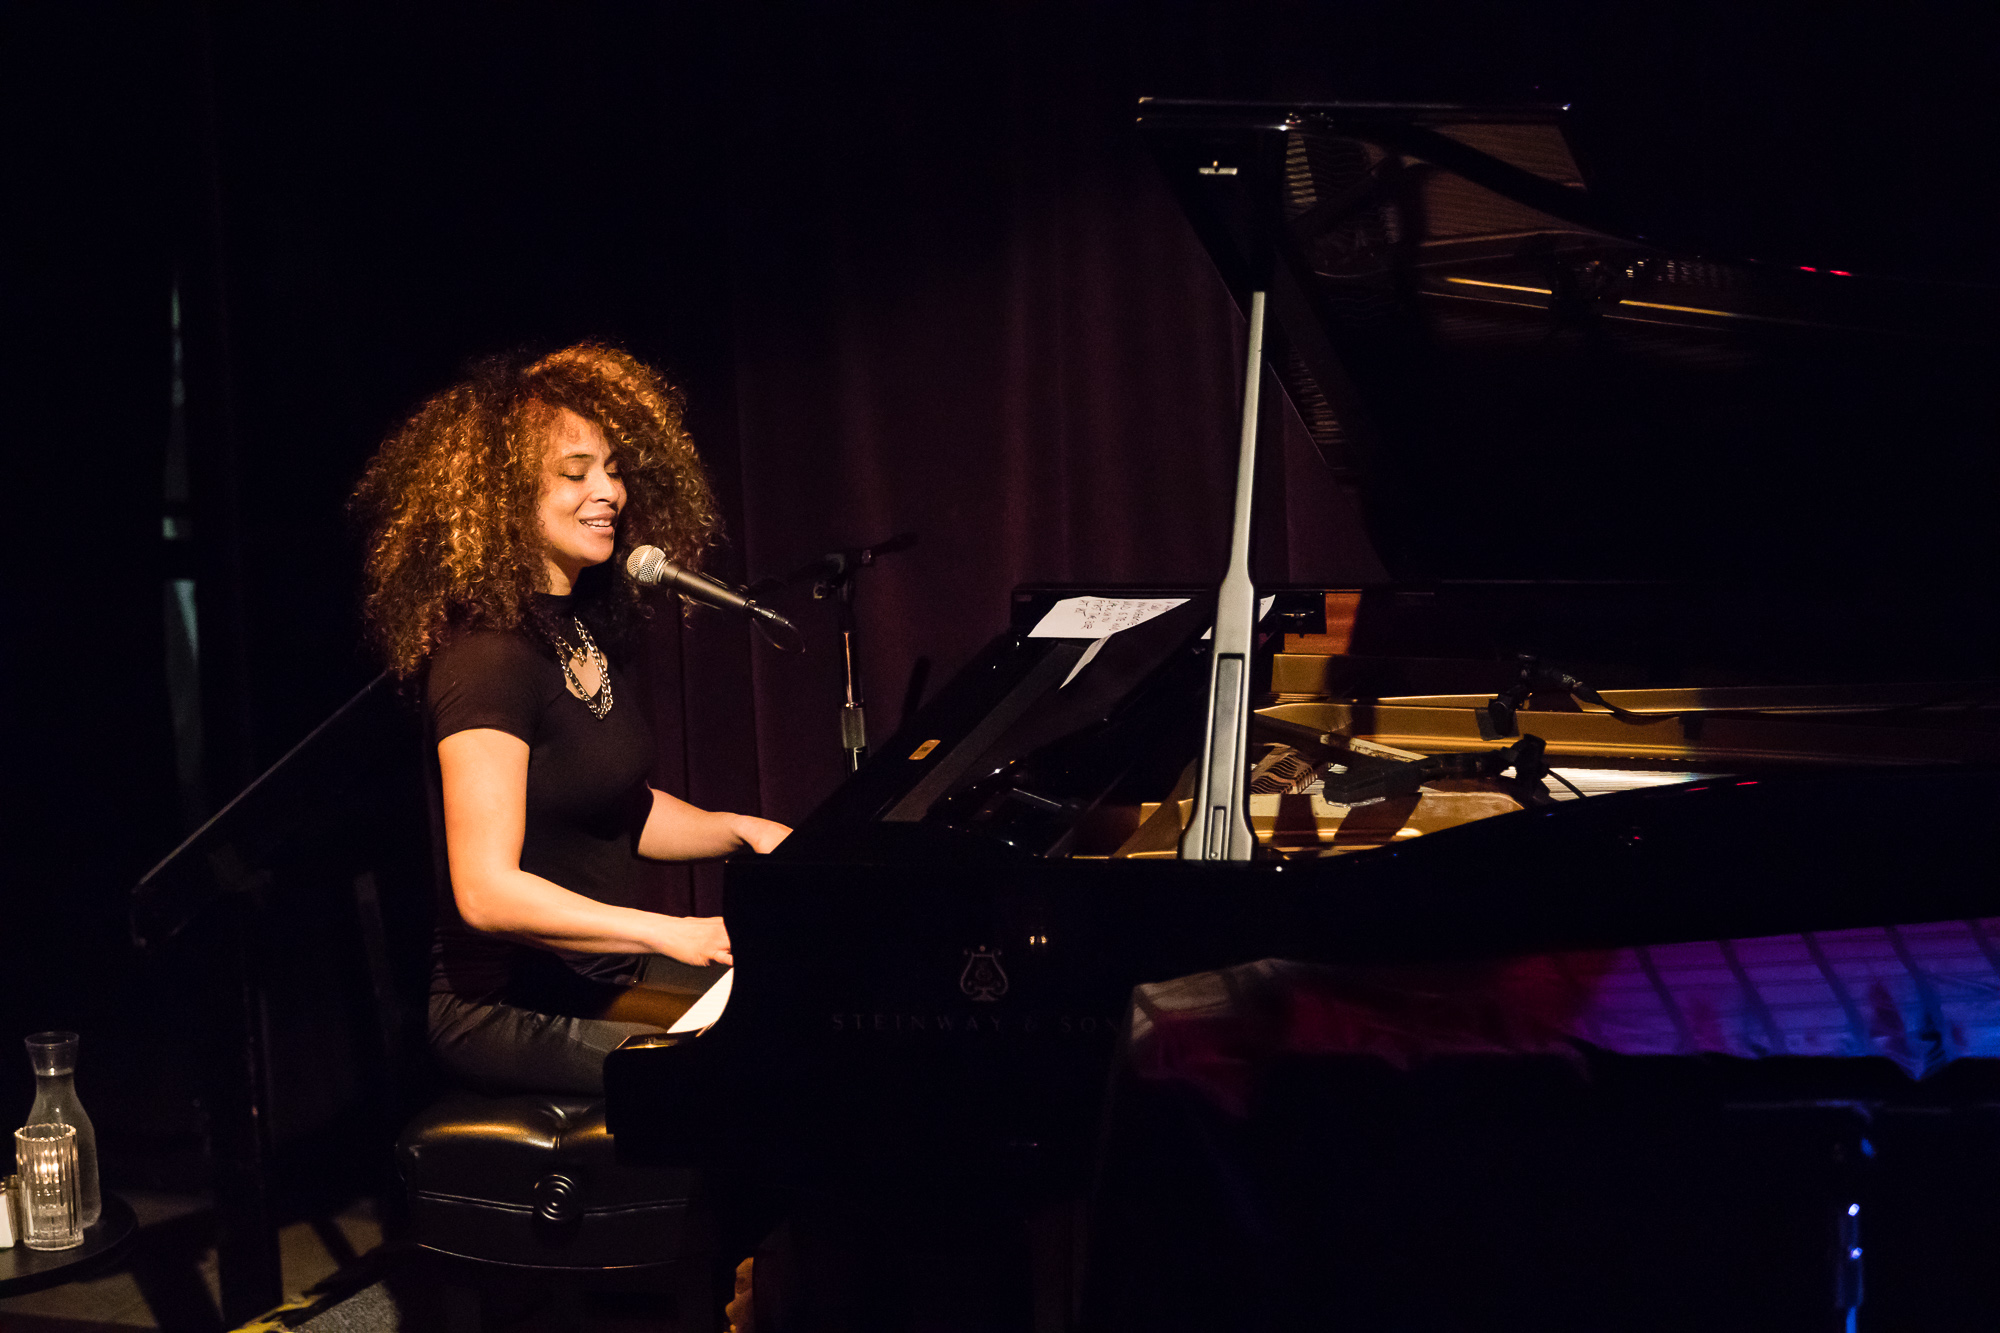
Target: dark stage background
[909, 262]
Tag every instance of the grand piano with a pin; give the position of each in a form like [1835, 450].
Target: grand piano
[1690, 636]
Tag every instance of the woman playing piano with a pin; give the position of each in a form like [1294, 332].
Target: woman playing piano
[494, 518]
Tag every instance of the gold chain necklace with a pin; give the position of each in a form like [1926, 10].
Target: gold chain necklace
[599, 703]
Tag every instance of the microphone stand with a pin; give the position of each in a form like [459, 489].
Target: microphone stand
[833, 577]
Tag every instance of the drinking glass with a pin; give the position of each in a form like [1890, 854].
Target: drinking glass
[51, 1212]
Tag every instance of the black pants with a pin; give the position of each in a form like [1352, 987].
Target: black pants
[501, 1047]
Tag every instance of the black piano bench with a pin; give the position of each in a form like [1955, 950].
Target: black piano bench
[524, 1196]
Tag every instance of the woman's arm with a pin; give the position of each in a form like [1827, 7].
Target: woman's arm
[485, 774]
[677, 831]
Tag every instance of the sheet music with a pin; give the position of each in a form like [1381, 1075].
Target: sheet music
[709, 1007]
[1099, 617]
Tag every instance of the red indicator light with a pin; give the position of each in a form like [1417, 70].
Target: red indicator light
[1807, 268]
[1840, 273]
[1697, 789]
[1751, 783]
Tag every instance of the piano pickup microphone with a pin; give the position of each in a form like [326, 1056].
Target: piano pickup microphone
[649, 567]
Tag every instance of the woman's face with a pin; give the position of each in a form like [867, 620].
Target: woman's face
[581, 497]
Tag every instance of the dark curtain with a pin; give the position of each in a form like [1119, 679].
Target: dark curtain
[966, 307]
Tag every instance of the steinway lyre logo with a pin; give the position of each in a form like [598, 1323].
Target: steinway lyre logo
[983, 978]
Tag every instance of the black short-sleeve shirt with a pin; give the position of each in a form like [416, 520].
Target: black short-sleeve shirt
[587, 796]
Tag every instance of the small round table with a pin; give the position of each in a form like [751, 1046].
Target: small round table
[104, 1242]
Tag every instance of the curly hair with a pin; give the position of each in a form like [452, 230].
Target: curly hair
[450, 499]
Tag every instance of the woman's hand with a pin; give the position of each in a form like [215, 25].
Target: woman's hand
[761, 835]
[699, 941]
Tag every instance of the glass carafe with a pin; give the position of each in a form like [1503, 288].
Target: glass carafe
[54, 1058]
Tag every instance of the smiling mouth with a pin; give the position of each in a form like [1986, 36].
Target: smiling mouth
[604, 525]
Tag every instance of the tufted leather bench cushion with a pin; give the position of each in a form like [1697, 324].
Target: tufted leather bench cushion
[532, 1181]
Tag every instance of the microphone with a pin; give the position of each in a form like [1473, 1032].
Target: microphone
[649, 567]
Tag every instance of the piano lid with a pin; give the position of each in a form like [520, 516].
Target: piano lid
[1523, 386]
